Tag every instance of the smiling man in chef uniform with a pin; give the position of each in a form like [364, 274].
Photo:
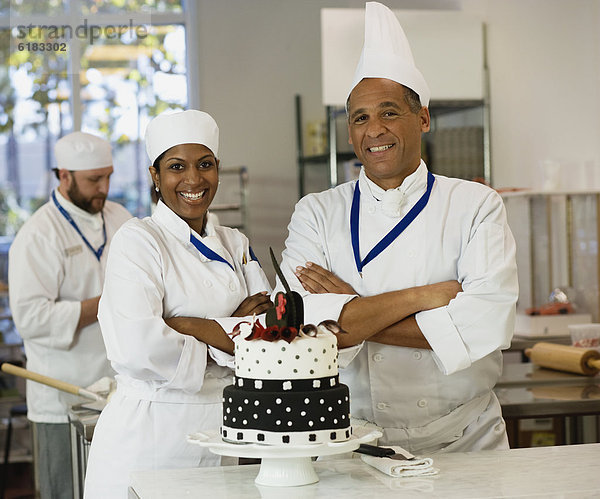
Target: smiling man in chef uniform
[56, 272]
[421, 369]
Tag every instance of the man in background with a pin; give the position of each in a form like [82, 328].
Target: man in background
[56, 274]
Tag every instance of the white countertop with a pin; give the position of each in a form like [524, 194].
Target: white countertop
[543, 472]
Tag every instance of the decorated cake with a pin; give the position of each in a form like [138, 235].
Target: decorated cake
[286, 388]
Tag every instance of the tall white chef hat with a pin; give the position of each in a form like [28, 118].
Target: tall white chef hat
[82, 151]
[386, 53]
[185, 127]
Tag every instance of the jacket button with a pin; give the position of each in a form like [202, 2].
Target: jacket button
[381, 406]
[417, 355]
[371, 209]
[208, 283]
[422, 403]
[232, 286]
[378, 357]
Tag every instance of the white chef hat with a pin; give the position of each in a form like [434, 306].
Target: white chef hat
[82, 151]
[185, 127]
[386, 53]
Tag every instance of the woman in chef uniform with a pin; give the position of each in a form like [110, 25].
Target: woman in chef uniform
[166, 276]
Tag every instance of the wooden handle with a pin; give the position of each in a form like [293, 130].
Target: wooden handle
[565, 358]
[594, 363]
[45, 380]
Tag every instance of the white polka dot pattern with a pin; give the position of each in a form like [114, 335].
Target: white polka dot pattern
[298, 411]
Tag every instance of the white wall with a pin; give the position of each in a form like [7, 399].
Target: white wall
[255, 55]
[544, 59]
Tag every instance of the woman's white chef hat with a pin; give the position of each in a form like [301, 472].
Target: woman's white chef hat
[386, 53]
[185, 127]
[82, 151]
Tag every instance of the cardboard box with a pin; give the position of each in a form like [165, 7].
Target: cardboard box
[536, 326]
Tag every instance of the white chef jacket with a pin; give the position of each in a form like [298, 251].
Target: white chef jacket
[426, 400]
[50, 272]
[168, 386]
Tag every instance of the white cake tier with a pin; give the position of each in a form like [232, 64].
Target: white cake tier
[304, 357]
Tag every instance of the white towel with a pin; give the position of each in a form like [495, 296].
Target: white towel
[410, 485]
[411, 466]
[103, 386]
[368, 425]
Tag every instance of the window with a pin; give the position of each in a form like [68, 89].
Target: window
[101, 66]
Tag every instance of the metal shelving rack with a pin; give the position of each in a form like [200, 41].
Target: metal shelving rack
[331, 158]
[557, 246]
[231, 201]
[21, 440]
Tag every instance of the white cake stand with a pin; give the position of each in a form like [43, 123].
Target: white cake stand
[283, 466]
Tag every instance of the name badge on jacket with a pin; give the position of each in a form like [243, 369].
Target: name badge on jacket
[73, 250]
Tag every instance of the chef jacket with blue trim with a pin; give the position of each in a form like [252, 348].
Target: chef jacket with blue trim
[425, 400]
[50, 271]
[169, 385]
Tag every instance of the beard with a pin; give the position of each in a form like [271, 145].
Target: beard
[92, 205]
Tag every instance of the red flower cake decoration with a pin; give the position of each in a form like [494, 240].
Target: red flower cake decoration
[288, 334]
[258, 332]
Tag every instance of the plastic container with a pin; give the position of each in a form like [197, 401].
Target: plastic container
[585, 335]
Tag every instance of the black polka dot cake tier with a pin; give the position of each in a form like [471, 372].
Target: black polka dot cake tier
[286, 391]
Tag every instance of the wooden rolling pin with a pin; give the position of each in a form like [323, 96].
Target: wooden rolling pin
[45, 380]
[565, 358]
